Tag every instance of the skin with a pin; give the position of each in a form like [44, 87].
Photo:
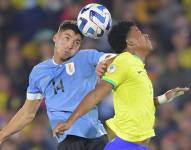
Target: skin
[138, 44]
[67, 44]
[22, 118]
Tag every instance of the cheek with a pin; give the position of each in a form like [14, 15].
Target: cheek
[61, 43]
[76, 49]
[62, 47]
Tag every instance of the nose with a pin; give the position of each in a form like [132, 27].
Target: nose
[70, 44]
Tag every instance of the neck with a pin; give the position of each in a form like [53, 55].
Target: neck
[58, 60]
[140, 54]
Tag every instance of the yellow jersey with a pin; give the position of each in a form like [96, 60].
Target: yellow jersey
[133, 98]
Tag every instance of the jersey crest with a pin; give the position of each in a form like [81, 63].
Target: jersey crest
[111, 68]
[70, 68]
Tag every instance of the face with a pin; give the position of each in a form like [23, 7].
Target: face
[67, 43]
[138, 40]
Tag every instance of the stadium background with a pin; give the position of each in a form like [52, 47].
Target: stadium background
[26, 29]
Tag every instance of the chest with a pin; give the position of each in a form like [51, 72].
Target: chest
[138, 77]
[64, 78]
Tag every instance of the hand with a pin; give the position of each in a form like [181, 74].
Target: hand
[61, 128]
[172, 94]
[102, 66]
[2, 139]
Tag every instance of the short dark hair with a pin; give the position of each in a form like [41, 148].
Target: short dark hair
[118, 34]
[70, 24]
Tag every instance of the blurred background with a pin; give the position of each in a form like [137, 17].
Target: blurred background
[26, 30]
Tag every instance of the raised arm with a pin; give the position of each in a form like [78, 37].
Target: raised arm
[170, 95]
[165, 98]
[23, 117]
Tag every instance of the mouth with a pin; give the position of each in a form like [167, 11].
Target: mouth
[66, 54]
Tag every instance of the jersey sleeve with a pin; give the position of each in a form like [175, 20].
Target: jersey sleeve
[115, 74]
[33, 90]
[94, 56]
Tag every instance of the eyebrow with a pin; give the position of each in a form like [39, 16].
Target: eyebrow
[71, 36]
[68, 34]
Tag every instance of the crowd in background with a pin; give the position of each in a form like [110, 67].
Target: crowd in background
[26, 30]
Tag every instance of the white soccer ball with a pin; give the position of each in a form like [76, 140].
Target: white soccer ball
[94, 20]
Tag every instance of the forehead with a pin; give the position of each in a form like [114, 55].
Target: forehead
[134, 31]
[70, 33]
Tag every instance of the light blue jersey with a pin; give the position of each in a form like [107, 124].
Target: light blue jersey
[63, 86]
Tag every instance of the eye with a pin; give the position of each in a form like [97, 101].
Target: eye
[66, 38]
[76, 43]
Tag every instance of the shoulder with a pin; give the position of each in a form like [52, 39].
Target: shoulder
[44, 64]
[41, 67]
[120, 58]
[119, 62]
[87, 52]
[125, 58]
[88, 55]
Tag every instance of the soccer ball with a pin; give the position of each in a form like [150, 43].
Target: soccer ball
[94, 20]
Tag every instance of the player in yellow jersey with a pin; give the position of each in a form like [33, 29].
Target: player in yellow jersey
[132, 89]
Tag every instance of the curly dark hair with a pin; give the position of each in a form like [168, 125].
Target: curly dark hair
[70, 24]
[118, 34]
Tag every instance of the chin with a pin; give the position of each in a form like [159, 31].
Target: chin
[63, 58]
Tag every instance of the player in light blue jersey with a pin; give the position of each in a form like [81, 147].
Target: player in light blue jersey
[63, 81]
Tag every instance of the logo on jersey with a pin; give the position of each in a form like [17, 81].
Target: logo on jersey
[139, 72]
[70, 69]
[111, 68]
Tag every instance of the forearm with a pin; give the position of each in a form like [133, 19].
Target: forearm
[90, 101]
[18, 122]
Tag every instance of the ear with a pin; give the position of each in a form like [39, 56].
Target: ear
[130, 43]
[55, 37]
[132, 46]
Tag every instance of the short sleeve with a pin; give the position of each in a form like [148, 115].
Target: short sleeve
[33, 90]
[116, 73]
[94, 56]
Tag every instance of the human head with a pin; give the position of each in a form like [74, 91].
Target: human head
[125, 33]
[67, 40]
